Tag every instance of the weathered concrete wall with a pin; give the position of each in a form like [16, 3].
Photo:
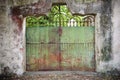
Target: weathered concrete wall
[84, 8]
[114, 63]
[105, 36]
[12, 31]
[116, 34]
[111, 57]
[3, 21]
[11, 40]
[21, 2]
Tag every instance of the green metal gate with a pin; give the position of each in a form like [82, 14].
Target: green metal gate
[64, 43]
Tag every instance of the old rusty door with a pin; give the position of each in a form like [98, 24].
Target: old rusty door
[64, 43]
[77, 48]
[42, 48]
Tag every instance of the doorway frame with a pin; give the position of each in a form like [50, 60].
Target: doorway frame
[97, 51]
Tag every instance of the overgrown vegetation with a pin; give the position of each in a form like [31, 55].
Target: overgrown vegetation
[53, 18]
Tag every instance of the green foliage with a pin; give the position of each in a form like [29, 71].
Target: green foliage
[54, 17]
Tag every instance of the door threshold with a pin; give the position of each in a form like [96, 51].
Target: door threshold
[60, 73]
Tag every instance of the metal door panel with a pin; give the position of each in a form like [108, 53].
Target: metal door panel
[42, 48]
[77, 48]
[77, 34]
[42, 35]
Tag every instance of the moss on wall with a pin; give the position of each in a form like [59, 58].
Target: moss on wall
[106, 24]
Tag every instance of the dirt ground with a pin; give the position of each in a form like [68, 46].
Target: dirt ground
[60, 76]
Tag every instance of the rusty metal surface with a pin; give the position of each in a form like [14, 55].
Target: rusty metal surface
[73, 50]
[42, 48]
[77, 48]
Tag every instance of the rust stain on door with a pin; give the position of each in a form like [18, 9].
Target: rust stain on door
[73, 50]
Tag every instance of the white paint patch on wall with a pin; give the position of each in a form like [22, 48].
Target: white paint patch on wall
[11, 55]
[24, 44]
